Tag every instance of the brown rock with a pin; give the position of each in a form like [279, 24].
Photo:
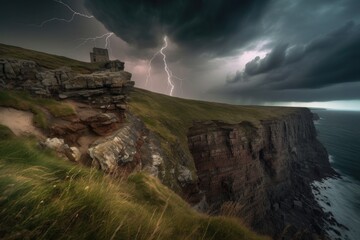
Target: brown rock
[103, 124]
[68, 131]
[255, 166]
[121, 106]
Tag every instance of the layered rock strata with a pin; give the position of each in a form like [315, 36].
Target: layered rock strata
[106, 89]
[262, 173]
[130, 148]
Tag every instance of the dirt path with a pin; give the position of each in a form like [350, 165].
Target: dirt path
[20, 122]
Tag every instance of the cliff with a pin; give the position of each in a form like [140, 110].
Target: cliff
[251, 162]
[262, 173]
[45, 197]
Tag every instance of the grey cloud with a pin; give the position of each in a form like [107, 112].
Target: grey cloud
[213, 27]
[271, 61]
[347, 91]
[326, 60]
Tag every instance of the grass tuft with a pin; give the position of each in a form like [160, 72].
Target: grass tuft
[43, 197]
[5, 132]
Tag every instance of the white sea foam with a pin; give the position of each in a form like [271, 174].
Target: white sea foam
[340, 196]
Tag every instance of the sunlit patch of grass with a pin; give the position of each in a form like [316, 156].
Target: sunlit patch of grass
[43, 197]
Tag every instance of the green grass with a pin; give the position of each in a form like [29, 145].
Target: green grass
[46, 60]
[43, 197]
[5, 132]
[171, 118]
[40, 107]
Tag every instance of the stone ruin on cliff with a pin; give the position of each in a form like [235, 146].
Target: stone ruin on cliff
[99, 55]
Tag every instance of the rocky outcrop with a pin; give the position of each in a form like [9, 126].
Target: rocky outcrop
[132, 147]
[106, 89]
[69, 131]
[63, 150]
[103, 123]
[262, 173]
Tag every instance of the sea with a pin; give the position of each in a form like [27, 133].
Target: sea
[339, 132]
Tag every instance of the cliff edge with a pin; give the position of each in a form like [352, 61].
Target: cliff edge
[262, 173]
[251, 162]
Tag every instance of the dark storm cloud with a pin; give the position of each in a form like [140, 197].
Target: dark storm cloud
[212, 26]
[326, 60]
[313, 45]
[271, 61]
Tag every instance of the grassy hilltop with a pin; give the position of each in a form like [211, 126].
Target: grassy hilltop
[46, 60]
[171, 117]
[44, 197]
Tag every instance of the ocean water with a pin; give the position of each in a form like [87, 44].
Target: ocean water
[339, 131]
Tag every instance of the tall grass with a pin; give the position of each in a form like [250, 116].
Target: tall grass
[43, 197]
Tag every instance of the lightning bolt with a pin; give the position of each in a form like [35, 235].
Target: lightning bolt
[148, 77]
[180, 79]
[170, 75]
[166, 68]
[106, 36]
[74, 13]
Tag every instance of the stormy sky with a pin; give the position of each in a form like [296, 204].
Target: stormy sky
[274, 52]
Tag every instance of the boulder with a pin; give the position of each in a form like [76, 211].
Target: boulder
[76, 154]
[48, 79]
[79, 82]
[54, 143]
[121, 106]
[184, 175]
[115, 151]
[103, 123]
[68, 131]
[97, 81]
[28, 69]
[8, 71]
[58, 144]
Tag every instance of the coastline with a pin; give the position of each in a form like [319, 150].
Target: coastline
[339, 196]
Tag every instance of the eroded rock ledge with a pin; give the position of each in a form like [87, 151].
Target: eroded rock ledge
[263, 173]
[260, 172]
[106, 88]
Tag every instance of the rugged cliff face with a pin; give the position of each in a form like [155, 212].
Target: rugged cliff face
[259, 167]
[262, 172]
